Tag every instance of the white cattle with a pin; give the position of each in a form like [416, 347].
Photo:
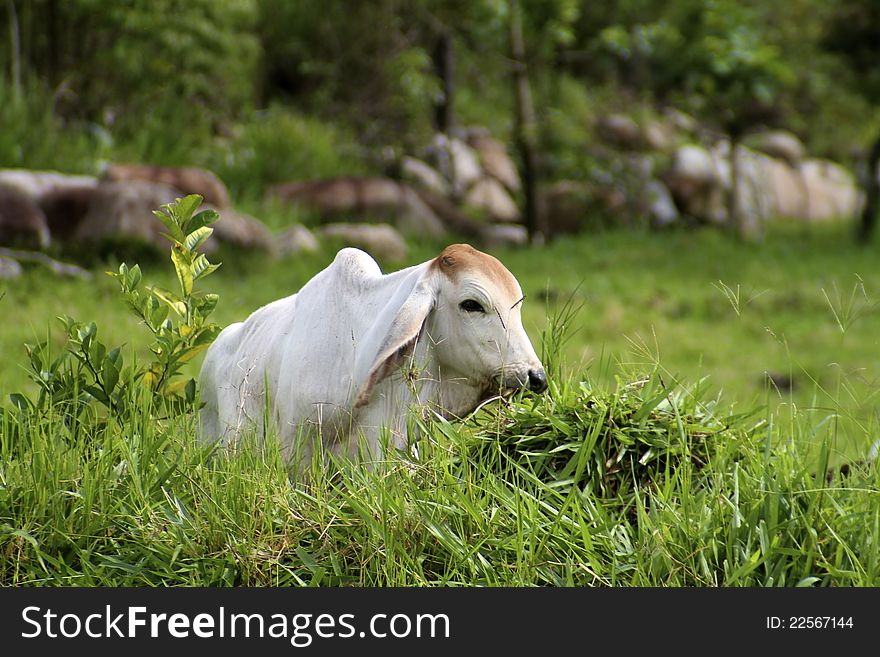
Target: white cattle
[339, 363]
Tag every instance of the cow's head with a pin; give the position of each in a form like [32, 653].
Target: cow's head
[468, 305]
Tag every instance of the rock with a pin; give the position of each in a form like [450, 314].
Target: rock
[769, 187]
[619, 131]
[505, 235]
[380, 240]
[65, 208]
[490, 196]
[423, 174]
[695, 180]
[780, 144]
[495, 159]
[22, 221]
[124, 211]
[661, 208]
[187, 180]
[831, 190]
[680, 121]
[243, 231]
[9, 268]
[564, 204]
[365, 198]
[465, 165]
[787, 189]
[295, 239]
[658, 137]
[36, 184]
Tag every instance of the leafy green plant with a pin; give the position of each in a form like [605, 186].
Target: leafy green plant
[88, 371]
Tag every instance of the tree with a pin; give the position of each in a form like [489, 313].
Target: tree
[854, 35]
[714, 57]
[189, 60]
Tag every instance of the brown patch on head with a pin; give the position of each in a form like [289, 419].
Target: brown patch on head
[456, 259]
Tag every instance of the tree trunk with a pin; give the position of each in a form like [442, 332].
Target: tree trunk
[53, 43]
[734, 212]
[444, 63]
[15, 45]
[872, 194]
[525, 126]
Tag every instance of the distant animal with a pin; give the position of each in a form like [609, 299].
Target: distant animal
[337, 365]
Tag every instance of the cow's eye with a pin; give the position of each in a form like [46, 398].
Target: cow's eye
[471, 306]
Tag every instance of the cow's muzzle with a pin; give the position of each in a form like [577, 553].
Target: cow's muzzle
[534, 379]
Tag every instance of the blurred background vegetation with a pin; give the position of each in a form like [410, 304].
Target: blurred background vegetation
[266, 90]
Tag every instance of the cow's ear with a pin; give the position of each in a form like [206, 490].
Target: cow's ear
[400, 340]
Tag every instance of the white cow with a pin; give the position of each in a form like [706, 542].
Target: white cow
[345, 358]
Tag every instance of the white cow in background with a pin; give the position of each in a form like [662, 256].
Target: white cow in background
[345, 358]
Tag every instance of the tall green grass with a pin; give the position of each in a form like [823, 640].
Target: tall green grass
[645, 482]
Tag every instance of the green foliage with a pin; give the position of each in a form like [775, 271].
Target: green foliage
[278, 145]
[34, 136]
[111, 58]
[176, 342]
[87, 370]
[853, 33]
[715, 52]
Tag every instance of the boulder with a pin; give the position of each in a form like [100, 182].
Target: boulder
[619, 131]
[36, 184]
[22, 221]
[495, 159]
[466, 167]
[243, 231]
[365, 198]
[187, 180]
[679, 121]
[695, 179]
[489, 196]
[659, 205]
[831, 190]
[699, 180]
[295, 239]
[787, 188]
[9, 268]
[505, 235]
[65, 208]
[124, 211]
[379, 240]
[657, 136]
[780, 144]
[563, 205]
[423, 174]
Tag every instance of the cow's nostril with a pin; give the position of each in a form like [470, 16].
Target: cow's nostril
[537, 380]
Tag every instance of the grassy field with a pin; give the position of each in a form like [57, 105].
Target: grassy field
[662, 454]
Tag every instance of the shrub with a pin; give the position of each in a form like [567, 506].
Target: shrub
[277, 145]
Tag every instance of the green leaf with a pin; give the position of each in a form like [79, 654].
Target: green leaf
[20, 401]
[184, 270]
[203, 218]
[197, 237]
[98, 394]
[184, 208]
[201, 267]
[205, 306]
[134, 276]
[111, 375]
[172, 300]
[190, 391]
[175, 234]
